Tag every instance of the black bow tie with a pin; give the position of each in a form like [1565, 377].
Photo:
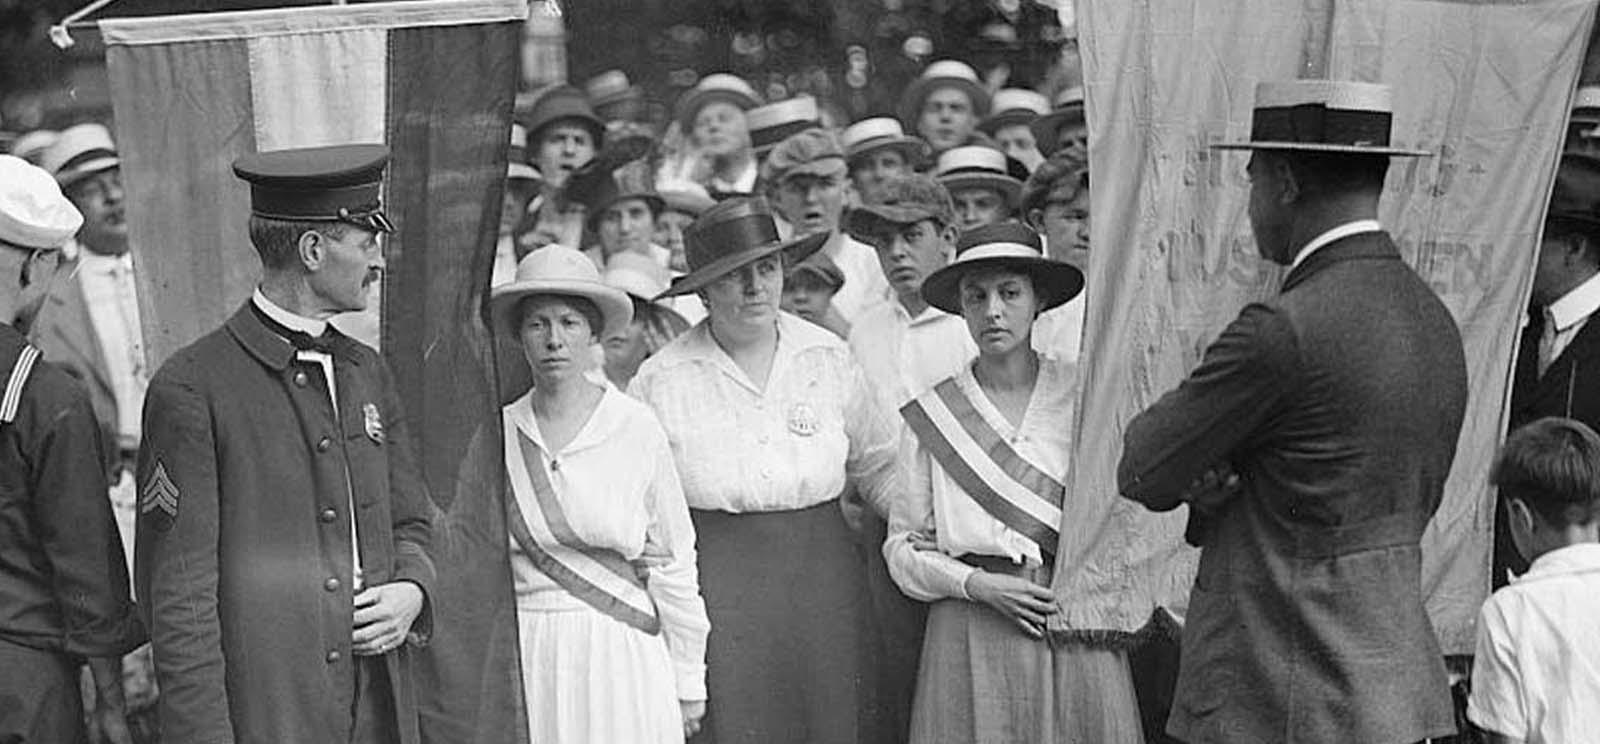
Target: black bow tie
[302, 341]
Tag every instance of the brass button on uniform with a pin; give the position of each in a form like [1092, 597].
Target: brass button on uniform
[333, 656]
[328, 515]
[331, 585]
[300, 379]
[323, 444]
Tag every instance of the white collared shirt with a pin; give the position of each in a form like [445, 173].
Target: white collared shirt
[113, 303]
[793, 443]
[287, 319]
[1571, 313]
[1536, 673]
[1356, 227]
[864, 283]
[903, 356]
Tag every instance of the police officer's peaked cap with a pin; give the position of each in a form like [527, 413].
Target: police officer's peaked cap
[343, 183]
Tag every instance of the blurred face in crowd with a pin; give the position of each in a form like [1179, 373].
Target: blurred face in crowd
[561, 148]
[1016, 141]
[343, 265]
[909, 253]
[812, 203]
[626, 349]
[1272, 195]
[1073, 138]
[978, 207]
[1064, 221]
[999, 307]
[872, 169]
[26, 275]
[626, 225]
[556, 337]
[948, 118]
[99, 198]
[746, 298]
[670, 225]
[514, 205]
[720, 129]
[807, 294]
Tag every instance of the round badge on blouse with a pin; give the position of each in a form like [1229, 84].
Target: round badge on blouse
[803, 420]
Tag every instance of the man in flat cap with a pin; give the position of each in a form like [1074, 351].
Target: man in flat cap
[63, 580]
[283, 528]
[1311, 446]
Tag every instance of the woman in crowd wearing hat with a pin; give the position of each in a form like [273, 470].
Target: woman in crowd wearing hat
[611, 624]
[878, 150]
[1014, 110]
[944, 105]
[975, 532]
[653, 325]
[563, 136]
[770, 418]
[712, 116]
[984, 190]
[620, 208]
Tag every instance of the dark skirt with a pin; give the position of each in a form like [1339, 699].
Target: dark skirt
[787, 659]
[983, 680]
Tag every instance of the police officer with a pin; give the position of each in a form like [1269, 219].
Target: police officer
[281, 553]
[63, 582]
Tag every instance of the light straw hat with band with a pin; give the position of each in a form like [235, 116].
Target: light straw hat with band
[1324, 116]
[1014, 106]
[735, 232]
[684, 196]
[32, 146]
[776, 122]
[1585, 106]
[79, 152]
[946, 73]
[341, 183]
[558, 270]
[879, 132]
[611, 87]
[1010, 246]
[978, 167]
[718, 86]
[33, 213]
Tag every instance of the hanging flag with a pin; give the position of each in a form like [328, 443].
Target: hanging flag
[434, 80]
[1485, 86]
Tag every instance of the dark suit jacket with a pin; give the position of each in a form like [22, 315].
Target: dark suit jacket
[245, 579]
[63, 330]
[1338, 403]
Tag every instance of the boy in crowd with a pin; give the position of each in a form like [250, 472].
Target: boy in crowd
[808, 291]
[1536, 674]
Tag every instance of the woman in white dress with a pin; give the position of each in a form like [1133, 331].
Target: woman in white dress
[611, 625]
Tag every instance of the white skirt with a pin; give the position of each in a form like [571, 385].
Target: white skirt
[589, 679]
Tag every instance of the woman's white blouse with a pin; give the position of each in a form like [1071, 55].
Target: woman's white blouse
[935, 505]
[741, 448]
[616, 482]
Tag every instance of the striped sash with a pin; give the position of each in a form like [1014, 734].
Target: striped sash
[600, 577]
[1008, 487]
[11, 398]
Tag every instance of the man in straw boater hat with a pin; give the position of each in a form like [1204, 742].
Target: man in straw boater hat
[944, 104]
[1064, 128]
[980, 182]
[1311, 446]
[282, 561]
[771, 422]
[1009, 124]
[877, 149]
[64, 593]
[978, 528]
[773, 123]
[712, 116]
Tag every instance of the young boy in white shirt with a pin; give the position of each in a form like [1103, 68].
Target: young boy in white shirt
[1536, 673]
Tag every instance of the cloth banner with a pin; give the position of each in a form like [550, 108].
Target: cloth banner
[433, 79]
[1484, 85]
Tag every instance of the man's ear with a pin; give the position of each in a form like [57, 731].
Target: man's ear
[311, 249]
[1521, 514]
[1035, 219]
[1289, 187]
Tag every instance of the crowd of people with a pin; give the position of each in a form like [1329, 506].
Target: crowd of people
[793, 463]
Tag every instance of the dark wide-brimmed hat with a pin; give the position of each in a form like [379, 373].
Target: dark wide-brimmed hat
[558, 104]
[558, 270]
[1011, 246]
[1576, 196]
[946, 73]
[1323, 116]
[730, 235]
[597, 186]
[881, 132]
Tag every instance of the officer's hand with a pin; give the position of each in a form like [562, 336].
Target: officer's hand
[383, 617]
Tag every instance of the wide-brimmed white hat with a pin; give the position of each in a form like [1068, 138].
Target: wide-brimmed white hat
[559, 270]
[880, 132]
[33, 213]
[79, 152]
[978, 167]
[1324, 116]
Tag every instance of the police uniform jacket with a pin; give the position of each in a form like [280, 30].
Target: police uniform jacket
[1338, 403]
[243, 560]
[63, 578]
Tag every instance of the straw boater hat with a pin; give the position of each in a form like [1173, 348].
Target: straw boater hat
[1585, 107]
[718, 86]
[1326, 116]
[31, 146]
[946, 73]
[1011, 246]
[684, 196]
[735, 232]
[1066, 108]
[978, 167]
[880, 132]
[559, 270]
[33, 213]
[80, 152]
[562, 103]
[610, 88]
[1013, 106]
[776, 122]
